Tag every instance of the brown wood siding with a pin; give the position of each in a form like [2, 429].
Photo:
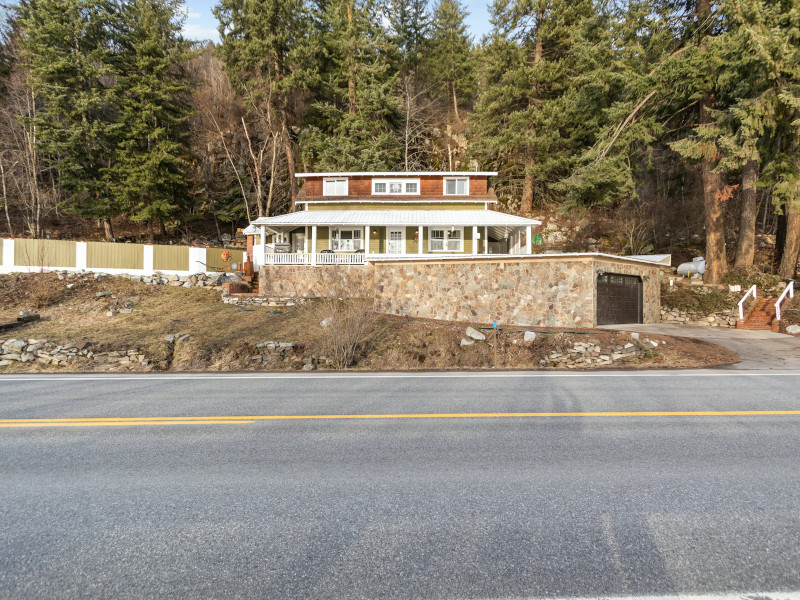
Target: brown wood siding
[397, 206]
[430, 185]
[478, 186]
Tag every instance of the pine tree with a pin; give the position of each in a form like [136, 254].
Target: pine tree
[354, 122]
[532, 118]
[266, 47]
[154, 113]
[452, 60]
[69, 47]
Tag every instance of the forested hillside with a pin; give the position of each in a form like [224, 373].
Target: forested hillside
[671, 118]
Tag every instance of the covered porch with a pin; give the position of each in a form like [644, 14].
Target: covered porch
[345, 237]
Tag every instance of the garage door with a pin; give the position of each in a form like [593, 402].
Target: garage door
[619, 299]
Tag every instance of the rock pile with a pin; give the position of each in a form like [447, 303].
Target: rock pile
[718, 319]
[50, 353]
[275, 354]
[592, 353]
[212, 280]
[260, 300]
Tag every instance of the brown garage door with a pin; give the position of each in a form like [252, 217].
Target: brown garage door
[619, 299]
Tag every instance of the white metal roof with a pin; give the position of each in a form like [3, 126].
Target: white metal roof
[427, 218]
[398, 174]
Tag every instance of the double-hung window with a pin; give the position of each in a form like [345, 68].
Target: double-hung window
[446, 240]
[346, 240]
[456, 186]
[334, 186]
[395, 187]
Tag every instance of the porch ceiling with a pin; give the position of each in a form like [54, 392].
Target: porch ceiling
[410, 218]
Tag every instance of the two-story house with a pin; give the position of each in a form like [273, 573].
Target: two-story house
[352, 218]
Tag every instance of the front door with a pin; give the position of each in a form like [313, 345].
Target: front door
[299, 242]
[396, 241]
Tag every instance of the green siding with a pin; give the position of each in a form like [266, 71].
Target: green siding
[467, 240]
[102, 255]
[398, 206]
[323, 239]
[412, 246]
[44, 253]
[377, 243]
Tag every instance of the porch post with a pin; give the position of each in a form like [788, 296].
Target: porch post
[486, 241]
[419, 244]
[475, 239]
[366, 240]
[305, 240]
[314, 245]
[263, 245]
[528, 241]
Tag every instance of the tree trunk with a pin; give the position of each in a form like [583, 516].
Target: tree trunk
[713, 197]
[163, 228]
[108, 230]
[5, 199]
[351, 82]
[791, 248]
[455, 104]
[287, 145]
[151, 234]
[746, 244]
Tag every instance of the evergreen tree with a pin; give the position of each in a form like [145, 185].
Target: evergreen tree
[531, 117]
[354, 121]
[74, 69]
[154, 112]
[452, 60]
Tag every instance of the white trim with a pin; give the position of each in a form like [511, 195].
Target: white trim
[446, 241]
[456, 179]
[398, 174]
[403, 184]
[339, 230]
[402, 231]
[404, 201]
[336, 180]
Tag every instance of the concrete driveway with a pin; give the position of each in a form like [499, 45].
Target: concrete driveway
[758, 349]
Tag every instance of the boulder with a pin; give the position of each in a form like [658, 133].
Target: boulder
[475, 334]
[466, 342]
[529, 336]
[793, 329]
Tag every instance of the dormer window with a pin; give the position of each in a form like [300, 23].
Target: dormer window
[456, 186]
[395, 187]
[334, 186]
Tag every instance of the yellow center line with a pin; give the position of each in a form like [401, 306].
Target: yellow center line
[243, 420]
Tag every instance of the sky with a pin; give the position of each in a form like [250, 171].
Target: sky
[201, 24]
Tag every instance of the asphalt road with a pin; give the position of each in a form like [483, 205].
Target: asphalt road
[452, 506]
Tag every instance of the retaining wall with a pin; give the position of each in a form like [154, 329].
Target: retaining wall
[546, 291]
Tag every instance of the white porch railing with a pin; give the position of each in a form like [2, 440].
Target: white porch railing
[789, 290]
[753, 290]
[322, 258]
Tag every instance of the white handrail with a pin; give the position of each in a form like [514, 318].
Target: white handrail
[753, 290]
[789, 290]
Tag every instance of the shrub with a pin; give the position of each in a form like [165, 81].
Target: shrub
[347, 330]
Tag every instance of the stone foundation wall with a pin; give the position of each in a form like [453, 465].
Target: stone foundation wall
[536, 291]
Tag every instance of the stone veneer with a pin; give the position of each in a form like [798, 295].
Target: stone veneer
[545, 291]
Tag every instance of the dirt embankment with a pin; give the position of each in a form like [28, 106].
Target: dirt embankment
[223, 337]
